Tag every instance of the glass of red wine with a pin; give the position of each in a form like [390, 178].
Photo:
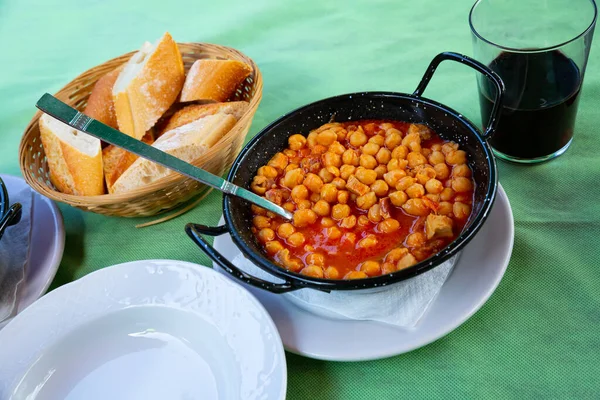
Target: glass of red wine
[540, 50]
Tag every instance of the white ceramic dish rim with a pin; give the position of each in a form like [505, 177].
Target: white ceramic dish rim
[36, 334]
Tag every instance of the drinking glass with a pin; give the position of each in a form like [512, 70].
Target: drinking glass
[540, 50]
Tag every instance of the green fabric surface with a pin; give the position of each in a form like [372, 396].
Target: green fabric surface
[537, 336]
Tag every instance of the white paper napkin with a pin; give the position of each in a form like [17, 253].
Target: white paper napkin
[14, 254]
[402, 304]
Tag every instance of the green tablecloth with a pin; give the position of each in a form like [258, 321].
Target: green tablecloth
[537, 337]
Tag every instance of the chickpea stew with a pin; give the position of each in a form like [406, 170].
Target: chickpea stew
[369, 198]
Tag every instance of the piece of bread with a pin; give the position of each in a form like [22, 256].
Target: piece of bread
[147, 86]
[100, 103]
[197, 111]
[214, 79]
[116, 160]
[74, 158]
[188, 142]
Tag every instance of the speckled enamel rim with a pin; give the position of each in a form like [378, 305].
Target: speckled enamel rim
[296, 281]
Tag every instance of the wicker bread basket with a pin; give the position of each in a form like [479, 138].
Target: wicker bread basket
[164, 194]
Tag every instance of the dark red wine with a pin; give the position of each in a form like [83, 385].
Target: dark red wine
[542, 92]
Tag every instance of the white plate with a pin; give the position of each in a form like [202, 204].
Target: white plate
[153, 329]
[47, 245]
[471, 283]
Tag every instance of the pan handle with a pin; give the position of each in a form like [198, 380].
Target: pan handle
[195, 231]
[479, 67]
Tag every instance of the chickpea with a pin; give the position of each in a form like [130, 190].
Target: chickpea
[365, 201]
[327, 222]
[441, 171]
[331, 159]
[311, 139]
[290, 167]
[433, 197]
[325, 138]
[314, 197]
[293, 178]
[398, 198]
[285, 230]
[380, 188]
[313, 183]
[296, 142]
[383, 156]
[260, 221]
[416, 207]
[315, 259]
[355, 275]
[358, 138]
[416, 190]
[351, 157]
[314, 271]
[444, 208]
[278, 161]
[378, 140]
[461, 184]
[343, 196]
[400, 152]
[412, 141]
[299, 193]
[405, 183]
[347, 170]
[363, 220]
[366, 176]
[436, 147]
[289, 206]
[393, 165]
[268, 171]
[348, 222]
[380, 170]
[407, 261]
[349, 239]
[456, 157]
[387, 268]
[340, 211]
[392, 177]
[303, 204]
[448, 147]
[329, 193]
[367, 161]
[337, 148]
[464, 198]
[304, 217]
[371, 268]
[461, 170]
[292, 263]
[434, 186]
[367, 241]
[266, 235]
[370, 148]
[415, 239]
[325, 175]
[322, 208]
[332, 273]
[333, 233]
[258, 210]
[374, 213]
[291, 154]
[394, 255]
[339, 183]
[388, 225]
[460, 210]
[447, 194]
[415, 159]
[425, 175]
[296, 239]
[437, 157]
[393, 138]
[273, 247]
[426, 152]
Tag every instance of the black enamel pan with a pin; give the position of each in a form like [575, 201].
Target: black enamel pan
[9, 215]
[449, 124]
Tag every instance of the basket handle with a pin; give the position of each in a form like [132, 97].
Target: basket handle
[477, 66]
[195, 231]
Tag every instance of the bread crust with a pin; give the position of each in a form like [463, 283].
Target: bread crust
[196, 111]
[152, 91]
[214, 79]
[100, 104]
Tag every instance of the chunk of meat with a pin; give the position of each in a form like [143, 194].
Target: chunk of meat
[356, 186]
[438, 226]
